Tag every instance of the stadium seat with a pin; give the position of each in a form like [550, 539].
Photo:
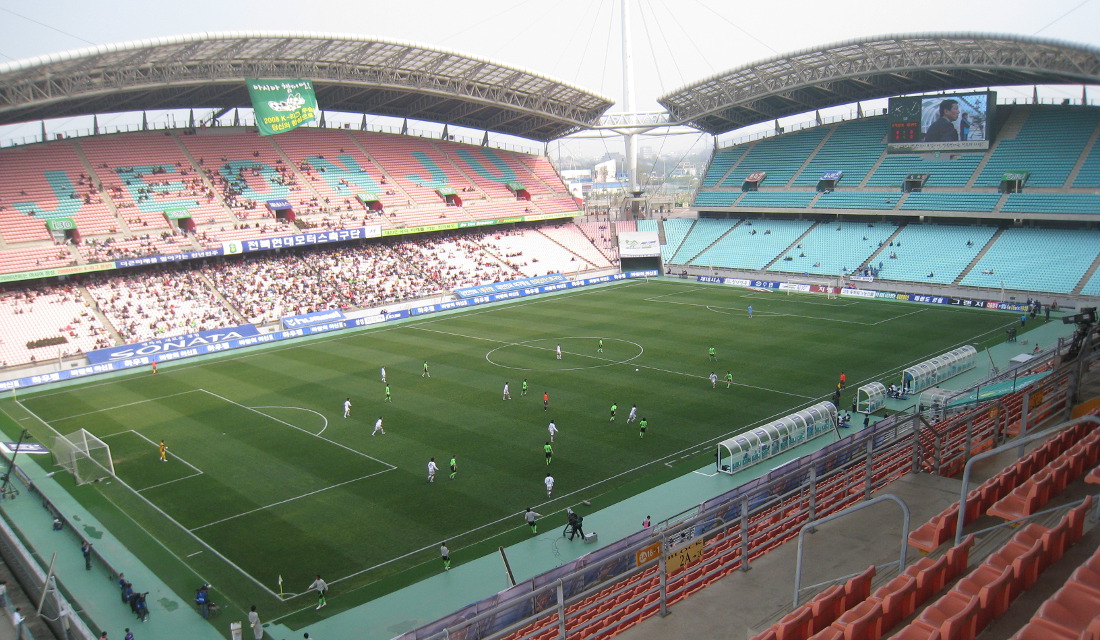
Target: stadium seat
[1076, 520]
[825, 607]
[930, 535]
[862, 622]
[766, 634]
[954, 615]
[992, 590]
[1042, 630]
[1072, 610]
[1025, 499]
[898, 599]
[795, 625]
[858, 588]
[828, 633]
[958, 557]
[1086, 577]
[930, 578]
[916, 632]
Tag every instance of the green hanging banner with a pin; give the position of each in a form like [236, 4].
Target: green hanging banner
[282, 105]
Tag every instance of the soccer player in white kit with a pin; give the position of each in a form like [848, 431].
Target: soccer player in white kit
[713, 380]
[378, 426]
[383, 374]
[557, 351]
[549, 482]
[552, 428]
[432, 468]
[507, 394]
[347, 407]
[633, 414]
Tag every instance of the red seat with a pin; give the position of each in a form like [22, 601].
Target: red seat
[858, 588]
[992, 589]
[898, 599]
[1076, 521]
[862, 622]
[1025, 499]
[954, 615]
[795, 625]
[1070, 609]
[916, 632]
[1087, 578]
[936, 531]
[958, 557]
[828, 633]
[825, 607]
[931, 579]
[766, 634]
[1042, 630]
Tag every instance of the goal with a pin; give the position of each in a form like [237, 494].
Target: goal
[85, 456]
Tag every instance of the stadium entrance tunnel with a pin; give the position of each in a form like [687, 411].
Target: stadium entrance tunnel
[577, 352]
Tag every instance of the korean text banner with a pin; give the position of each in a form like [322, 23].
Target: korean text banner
[282, 105]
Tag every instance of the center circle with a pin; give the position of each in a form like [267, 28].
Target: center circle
[577, 352]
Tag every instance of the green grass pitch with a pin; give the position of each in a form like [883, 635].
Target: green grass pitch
[265, 478]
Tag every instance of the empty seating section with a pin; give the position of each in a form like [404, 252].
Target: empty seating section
[47, 312]
[1089, 173]
[831, 248]
[156, 177]
[676, 229]
[1052, 203]
[49, 181]
[703, 234]
[1012, 259]
[532, 253]
[716, 198]
[857, 200]
[743, 249]
[853, 147]
[919, 245]
[1034, 148]
[780, 157]
[338, 171]
[29, 259]
[784, 199]
[574, 240]
[416, 166]
[554, 204]
[1071, 613]
[602, 238]
[1092, 287]
[956, 201]
[721, 163]
[949, 170]
[245, 170]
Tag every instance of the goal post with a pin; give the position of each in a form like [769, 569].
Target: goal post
[85, 456]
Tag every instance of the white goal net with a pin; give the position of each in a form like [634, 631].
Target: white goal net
[85, 456]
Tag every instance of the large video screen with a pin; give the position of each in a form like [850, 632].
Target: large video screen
[945, 122]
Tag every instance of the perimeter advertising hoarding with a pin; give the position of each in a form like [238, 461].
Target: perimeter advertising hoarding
[946, 122]
[639, 244]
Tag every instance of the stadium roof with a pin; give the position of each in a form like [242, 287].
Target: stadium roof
[350, 73]
[878, 67]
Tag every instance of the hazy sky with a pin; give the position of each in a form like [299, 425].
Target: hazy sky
[675, 42]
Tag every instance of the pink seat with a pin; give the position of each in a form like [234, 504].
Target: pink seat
[1087, 578]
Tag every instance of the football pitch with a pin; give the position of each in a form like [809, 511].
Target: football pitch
[266, 480]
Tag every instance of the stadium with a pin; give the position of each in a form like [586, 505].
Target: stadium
[849, 313]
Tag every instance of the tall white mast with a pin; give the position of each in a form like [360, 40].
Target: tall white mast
[630, 139]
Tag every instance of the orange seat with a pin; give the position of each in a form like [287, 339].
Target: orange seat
[914, 631]
[1025, 499]
[898, 599]
[931, 580]
[795, 625]
[825, 607]
[936, 531]
[766, 634]
[862, 622]
[954, 615]
[828, 633]
[958, 557]
[858, 588]
[1087, 578]
[1076, 521]
[1069, 610]
[1041, 630]
[992, 590]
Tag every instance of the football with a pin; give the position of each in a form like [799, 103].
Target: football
[635, 369]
